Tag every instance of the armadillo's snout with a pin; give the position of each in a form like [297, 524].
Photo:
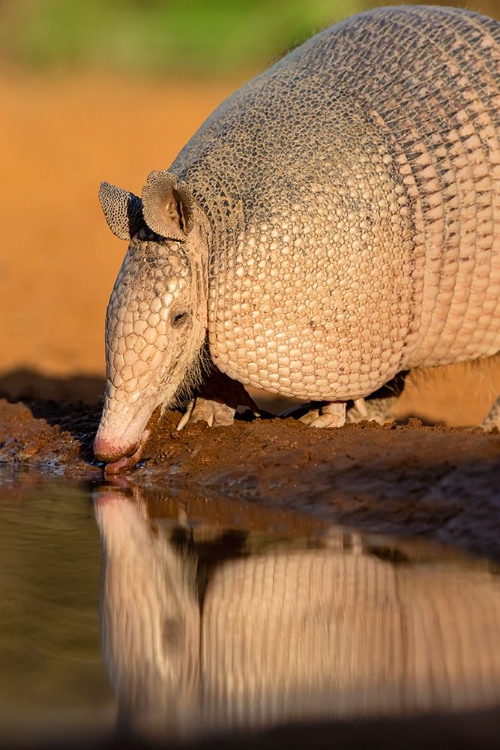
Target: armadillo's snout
[122, 432]
[107, 450]
[119, 459]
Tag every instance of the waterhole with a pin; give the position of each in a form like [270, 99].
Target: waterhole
[140, 610]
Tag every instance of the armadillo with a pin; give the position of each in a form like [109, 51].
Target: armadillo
[334, 222]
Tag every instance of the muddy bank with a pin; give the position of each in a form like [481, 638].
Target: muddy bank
[437, 482]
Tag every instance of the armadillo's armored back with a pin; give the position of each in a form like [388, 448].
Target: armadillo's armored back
[354, 191]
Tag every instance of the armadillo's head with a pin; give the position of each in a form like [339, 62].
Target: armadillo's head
[157, 315]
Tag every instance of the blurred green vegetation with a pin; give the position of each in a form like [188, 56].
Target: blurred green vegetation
[188, 37]
[185, 38]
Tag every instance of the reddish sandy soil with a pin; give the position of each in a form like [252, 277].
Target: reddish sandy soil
[58, 260]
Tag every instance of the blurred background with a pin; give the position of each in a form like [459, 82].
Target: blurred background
[109, 90]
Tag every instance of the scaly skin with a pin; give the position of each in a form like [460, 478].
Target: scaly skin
[346, 204]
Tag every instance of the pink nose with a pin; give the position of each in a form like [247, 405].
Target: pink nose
[121, 458]
[105, 450]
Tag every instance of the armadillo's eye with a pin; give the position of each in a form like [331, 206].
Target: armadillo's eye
[179, 319]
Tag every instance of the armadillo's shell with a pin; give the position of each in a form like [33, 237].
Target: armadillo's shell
[353, 189]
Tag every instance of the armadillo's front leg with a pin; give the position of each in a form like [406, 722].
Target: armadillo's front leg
[216, 402]
[328, 415]
[214, 413]
[493, 418]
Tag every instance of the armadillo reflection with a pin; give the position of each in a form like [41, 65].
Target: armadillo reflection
[335, 221]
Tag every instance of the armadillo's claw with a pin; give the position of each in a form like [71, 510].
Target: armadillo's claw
[360, 405]
[375, 410]
[214, 413]
[493, 418]
[184, 420]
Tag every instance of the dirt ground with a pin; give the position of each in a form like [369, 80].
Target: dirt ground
[60, 137]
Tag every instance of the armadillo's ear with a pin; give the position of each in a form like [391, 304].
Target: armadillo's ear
[167, 206]
[123, 210]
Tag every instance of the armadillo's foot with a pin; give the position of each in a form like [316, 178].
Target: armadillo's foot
[216, 401]
[493, 418]
[335, 414]
[330, 415]
[375, 410]
[214, 413]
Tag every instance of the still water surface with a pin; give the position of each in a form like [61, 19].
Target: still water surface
[176, 614]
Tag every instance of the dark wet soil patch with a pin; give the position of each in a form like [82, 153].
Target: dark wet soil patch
[48, 435]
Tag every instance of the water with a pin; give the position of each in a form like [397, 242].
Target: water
[51, 672]
[177, 614]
